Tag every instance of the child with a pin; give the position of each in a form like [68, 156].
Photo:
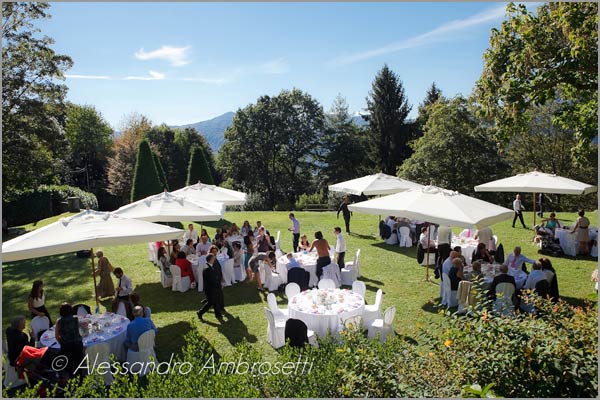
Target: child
[292, 262]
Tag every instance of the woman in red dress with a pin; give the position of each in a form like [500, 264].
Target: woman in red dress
[185, 266]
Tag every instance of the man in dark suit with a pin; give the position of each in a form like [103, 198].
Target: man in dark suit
[212, 276]
[501, 278]
[343, 208]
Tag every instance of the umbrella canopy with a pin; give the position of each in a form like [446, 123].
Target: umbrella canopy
[436, 205]
[372, 185]
[83, 231]
[537, 182]
[201, 192]
[166, 207]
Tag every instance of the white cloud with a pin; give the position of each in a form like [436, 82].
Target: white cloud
[439, 34]
[177, 56]
[154, 76]
[273, 67]
[76, 76]
[209, 81]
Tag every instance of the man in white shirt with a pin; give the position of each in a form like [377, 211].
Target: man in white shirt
[515, 259]
[518, 209]
[122, 292]
[190, 234]
[484, 235]
[340, 246]
[295, 229]
[203, 246]
[535, 276]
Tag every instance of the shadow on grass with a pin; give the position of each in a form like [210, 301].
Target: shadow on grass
[433, 306]
[233, 329]
[365, 279]
[579, 302]
[172, 339]
[407, 251]
[361, 236]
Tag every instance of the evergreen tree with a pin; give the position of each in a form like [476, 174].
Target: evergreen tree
[433, 95]
[161, 171]
[145, 176]
[198, 169]
[388, 133]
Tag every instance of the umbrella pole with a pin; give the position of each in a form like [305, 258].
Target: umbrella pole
[95, 285]
[534, 214]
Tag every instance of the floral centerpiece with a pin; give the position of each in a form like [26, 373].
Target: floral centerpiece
[325, 298]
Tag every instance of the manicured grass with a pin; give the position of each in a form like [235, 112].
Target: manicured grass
[391, 268]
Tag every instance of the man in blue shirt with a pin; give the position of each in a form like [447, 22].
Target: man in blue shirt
[137, 327]
[292, 262]
[295, 229]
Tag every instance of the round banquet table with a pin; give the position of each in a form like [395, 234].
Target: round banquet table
[307, 261]
[467, 246]
[568, 241]
[113, 331]
[199, 263]
[308, 307]
[489, 272]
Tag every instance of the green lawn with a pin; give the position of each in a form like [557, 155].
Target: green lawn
[395, 270]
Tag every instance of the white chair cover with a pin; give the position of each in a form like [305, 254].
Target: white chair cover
[393, 239]
[81, 312]
[404, 236]
[239, 273]
[354, 322]
[228, 273]
[464, 295]
[11, 377]
[332, 271]
[181, 284]
[503, 304]
[373, 311]
[165, 281]
[278, 313]
[428, 260]
[272, 279]
[466, 233]
[291, 289]
[152, 255]
[278, 242]
[145, 354]
[449, 297]
[275, 330]
[96, 354]
[39, 324]
[326, 284]
[351, 270]
[121, 310]
[359, 287]
[384, 327]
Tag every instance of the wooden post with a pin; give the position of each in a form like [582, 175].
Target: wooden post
[534, 214]
[94, 275]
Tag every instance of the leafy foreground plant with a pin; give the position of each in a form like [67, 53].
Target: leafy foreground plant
[551, 354]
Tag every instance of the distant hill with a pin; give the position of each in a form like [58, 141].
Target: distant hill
[213, 129]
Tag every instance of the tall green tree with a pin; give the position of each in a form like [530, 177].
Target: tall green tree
[33, 100]
[388, 132]
[122, 163]
[160, 171]
[198, 168]
[185, 140]
[342, 147]
[90, 144]
[532, 58]
[432, 95]
[271, 147]
[146, 181]
[456, 151]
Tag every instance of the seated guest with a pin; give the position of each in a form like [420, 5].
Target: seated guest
[448, 262]
[458, 249]
[482, 254]
[515, 260]
[456, 273]
[234, 231]
[122, 292]
[218, 235]
[137, 327]
[175, 250]
[292, 262]
[164, 262]
[203, 245]
[225, 229]
[501, 278]
[551, 223]
[135, 301]
[304, 243]
[37, 301]
[246, 228]
[551, 277]
[257, 229]
[535, 276]
[189, 247]
[263, 242]
[67, 335]
[476, 273]
[16, 339]
[185, 266]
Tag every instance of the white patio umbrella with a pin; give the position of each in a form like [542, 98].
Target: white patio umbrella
[537, 182]
[167, 207]
[436, 205]
[372, 185]
[201, 192]
[85, 230]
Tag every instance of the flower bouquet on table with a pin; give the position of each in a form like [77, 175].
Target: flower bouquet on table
[325, 298]
[84, 327]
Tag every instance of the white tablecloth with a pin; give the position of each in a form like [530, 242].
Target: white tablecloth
[568, 240]
[114, 334]
[307, 261]
[467, 246]
[307, 306]
[489, 271]
[199, 264]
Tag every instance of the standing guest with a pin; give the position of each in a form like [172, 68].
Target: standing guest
[190, 234]
[292, 262]
[484, 235]
[515, 260]
[137, 327]
[37, 300]
[106, 287]
[122, 292]
[346, 213]
[295, 229]
[246, 228]
[263, 242]
[189, 247]
[340, 246]
[249, 252]
[541, 205]
[481, 253]
[503, 277]
[456, 274]
[16, 339]
[518, 209]
[185, 266]
[444, 240]
[458, 249]
[269, 258]
[203, 245]
[67, 335]
[304, 244]
[322, 247]
[164, 263]
[212, 288]
[535, 276]
[583, 234]
[237, 255]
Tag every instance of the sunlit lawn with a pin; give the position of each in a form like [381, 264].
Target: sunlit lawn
[395, 270]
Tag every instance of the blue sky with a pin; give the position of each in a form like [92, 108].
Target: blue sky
[185, 62]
